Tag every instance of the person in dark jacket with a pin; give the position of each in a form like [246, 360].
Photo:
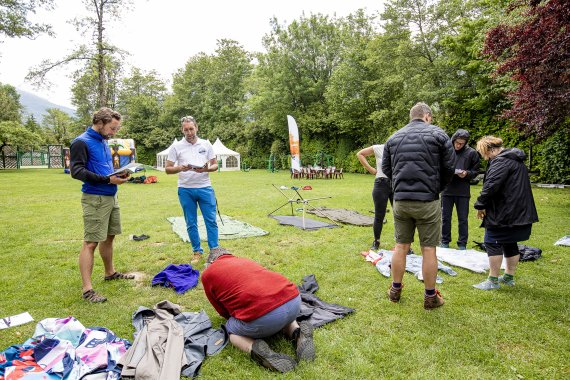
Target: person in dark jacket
[458, 191]
[91, 162]
[257, 303]
[419, 159]
[507, 208]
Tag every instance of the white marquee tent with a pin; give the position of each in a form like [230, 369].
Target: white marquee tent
[230, 160]
[162, 156]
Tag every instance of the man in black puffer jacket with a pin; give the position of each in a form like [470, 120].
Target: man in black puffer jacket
[419, 159]
[458, 191]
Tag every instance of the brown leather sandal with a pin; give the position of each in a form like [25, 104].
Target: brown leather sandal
[119, 276]
[92, 296]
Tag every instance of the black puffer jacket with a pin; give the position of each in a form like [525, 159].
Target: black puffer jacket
[506, 195]
[467, 159]
[420, 161]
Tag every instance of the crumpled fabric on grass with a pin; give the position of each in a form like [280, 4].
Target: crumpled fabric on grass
[229, 229]
[413, 265]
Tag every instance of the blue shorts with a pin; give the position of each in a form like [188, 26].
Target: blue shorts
[268, 324]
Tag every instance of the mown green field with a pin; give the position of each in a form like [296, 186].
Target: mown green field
[513, 333]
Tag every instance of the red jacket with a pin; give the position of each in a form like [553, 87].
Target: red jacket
[243, 289]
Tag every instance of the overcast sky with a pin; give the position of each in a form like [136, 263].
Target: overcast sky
[160, 34]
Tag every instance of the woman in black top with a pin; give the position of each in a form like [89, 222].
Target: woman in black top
[507, 208]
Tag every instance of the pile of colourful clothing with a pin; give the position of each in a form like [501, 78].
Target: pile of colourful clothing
[62, 348]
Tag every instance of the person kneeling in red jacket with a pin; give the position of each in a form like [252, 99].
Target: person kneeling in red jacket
[257, 304]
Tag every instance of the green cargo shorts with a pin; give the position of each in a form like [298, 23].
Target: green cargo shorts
[425, 216]
[101, 217]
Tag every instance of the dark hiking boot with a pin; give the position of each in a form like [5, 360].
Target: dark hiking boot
[266, 357]
[394, 293]
[303, 339]
[375, 245]
[432, 302]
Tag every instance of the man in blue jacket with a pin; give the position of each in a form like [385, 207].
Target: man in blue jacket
[419, 160]
[91, 163]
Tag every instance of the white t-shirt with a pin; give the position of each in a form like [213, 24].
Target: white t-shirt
[199, 153]
[379, 153]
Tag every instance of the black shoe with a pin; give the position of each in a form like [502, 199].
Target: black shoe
[303, 339]
[375, 245]
[266, 357]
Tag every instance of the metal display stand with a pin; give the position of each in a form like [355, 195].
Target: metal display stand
[300, 201]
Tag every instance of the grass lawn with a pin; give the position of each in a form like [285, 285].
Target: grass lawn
[513, 333]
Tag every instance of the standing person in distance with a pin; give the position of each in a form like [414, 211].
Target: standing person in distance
[381, 192]
[419, 159]
[192, 158]
[91, 162]
[506, 206]
[458, 192]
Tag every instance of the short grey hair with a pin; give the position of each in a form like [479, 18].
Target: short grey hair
[419, 111]
[188, 119]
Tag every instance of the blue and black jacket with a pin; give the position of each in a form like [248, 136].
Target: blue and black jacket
[91, 162]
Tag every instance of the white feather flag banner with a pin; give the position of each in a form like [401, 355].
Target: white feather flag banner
[294, 144]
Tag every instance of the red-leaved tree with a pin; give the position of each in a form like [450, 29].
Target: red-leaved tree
[535, 52]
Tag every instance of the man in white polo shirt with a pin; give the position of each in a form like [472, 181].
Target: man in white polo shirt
[193, 157]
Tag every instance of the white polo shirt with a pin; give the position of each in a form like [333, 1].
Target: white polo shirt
[199, 153]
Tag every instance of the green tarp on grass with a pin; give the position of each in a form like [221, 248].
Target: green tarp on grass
[230, 229]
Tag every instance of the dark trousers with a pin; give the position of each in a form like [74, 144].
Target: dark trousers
[462, 208]
[381, 193]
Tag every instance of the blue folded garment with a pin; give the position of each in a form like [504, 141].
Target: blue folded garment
[180, 277]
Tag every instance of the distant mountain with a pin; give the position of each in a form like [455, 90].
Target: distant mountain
[38, 106]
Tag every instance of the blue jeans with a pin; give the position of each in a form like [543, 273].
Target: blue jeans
[268, 324]
[206, 199]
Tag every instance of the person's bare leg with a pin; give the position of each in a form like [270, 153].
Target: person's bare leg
[429, 266]
[495, 265]
[288, 330]
[106, 252]
[399, 261]
[244, 343]
[86, 258]
[512, 263]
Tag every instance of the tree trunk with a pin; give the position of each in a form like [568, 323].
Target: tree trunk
[102, 84]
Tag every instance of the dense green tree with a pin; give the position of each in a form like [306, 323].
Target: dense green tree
[291, 78]
[32, 125]
[59, 127]
[140, 101]
[212, 89]
[10, 107]
[84, 89]
[15, 134]
[14, 18]
[348, 93]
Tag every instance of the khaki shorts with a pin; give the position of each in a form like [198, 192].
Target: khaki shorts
[425, 216]
[101, 217]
